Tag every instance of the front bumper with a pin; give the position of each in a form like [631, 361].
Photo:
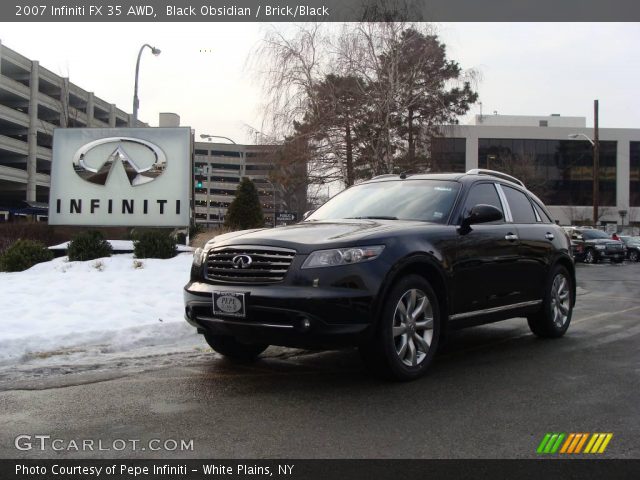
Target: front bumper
[296, 316]
[617, 255]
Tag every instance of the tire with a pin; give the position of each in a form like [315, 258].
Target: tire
[633, 256]
[553, 319]
[233, 349]
[403, 346]
[590, 256]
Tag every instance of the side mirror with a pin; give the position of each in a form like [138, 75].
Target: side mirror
[482, 214]
[306, 214]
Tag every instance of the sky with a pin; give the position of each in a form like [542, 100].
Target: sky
[203, 73]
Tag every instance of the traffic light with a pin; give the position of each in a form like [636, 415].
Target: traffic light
[199, 184]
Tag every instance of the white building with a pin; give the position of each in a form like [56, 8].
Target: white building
[219, 168]
[34, 101]
[560, 168]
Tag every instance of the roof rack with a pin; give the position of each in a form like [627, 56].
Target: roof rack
[493, 173]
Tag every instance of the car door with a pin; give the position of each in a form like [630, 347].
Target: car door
[485, 271]
[536, 247]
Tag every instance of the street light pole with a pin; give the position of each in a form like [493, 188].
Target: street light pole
[595, 144]
[204, 135]
[136, 100]
[596, 164]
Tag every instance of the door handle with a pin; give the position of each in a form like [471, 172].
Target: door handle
[511, 237]
[549, 236]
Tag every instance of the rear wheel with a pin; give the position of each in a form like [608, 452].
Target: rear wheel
[230, 347]
[408, 331]
[554, 317]
[633, 255]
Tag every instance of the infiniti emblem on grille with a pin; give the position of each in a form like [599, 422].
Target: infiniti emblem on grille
[241, 261]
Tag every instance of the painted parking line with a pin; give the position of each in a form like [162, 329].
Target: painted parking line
[605, 314]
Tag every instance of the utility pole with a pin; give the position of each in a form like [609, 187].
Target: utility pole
[596, 164]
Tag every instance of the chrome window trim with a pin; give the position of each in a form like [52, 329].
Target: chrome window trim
[486, 311]
[505, 204]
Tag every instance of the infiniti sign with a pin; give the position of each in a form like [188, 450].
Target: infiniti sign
[136, 173]
[123, 177]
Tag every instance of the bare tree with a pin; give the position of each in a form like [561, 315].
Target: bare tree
[362, 95]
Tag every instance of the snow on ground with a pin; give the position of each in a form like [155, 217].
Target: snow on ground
[110, 304]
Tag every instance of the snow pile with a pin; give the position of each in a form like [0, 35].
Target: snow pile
[116, 302]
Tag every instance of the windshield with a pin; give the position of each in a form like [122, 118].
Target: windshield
[592, 234]
[424, 200]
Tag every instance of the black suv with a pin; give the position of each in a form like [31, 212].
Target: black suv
[592, 246]
[389, 265]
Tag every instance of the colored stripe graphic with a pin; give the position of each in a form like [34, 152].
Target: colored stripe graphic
[551, 443]
[572, 443]
[598, 443]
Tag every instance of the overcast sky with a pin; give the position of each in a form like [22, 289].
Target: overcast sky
[525, 68]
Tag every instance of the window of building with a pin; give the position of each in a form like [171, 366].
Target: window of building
[634, 174]
[202, 152]
[220, 178]
[225, 166]
[559, 172]
[221, 191]
[544, 123]
[520, 206]
[259, 167]
[223, 153]
[448, 155]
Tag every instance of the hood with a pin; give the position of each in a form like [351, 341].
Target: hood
[308, 236]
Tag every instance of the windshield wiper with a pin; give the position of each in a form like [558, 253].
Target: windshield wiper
[374, 217]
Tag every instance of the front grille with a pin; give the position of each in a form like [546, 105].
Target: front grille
[268, 264]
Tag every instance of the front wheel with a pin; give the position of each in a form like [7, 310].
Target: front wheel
[633, 256]
[553, 319]
[407, 333]
[590, 256]
[233, 349]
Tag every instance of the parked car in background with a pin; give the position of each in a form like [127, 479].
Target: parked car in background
[389, 265]
[592, 246]
[633, 247]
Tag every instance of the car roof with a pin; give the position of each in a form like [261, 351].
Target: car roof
[471, 176]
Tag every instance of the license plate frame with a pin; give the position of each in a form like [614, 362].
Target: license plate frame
[229, 304]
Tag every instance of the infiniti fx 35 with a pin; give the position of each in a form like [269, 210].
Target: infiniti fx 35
[390, 266]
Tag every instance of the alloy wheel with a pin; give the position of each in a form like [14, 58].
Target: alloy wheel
[560, 300]
[413, 327]
[633, 256]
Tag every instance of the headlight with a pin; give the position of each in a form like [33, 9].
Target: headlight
[601, 247]
[342, 256]
[198, 257]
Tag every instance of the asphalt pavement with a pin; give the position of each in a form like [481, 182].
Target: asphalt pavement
[493, 392]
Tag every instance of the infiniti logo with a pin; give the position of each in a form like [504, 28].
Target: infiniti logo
[136, 172]
[241, 261]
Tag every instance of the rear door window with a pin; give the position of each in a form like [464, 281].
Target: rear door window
[520, 206]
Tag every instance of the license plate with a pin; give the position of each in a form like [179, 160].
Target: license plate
[229, 304]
